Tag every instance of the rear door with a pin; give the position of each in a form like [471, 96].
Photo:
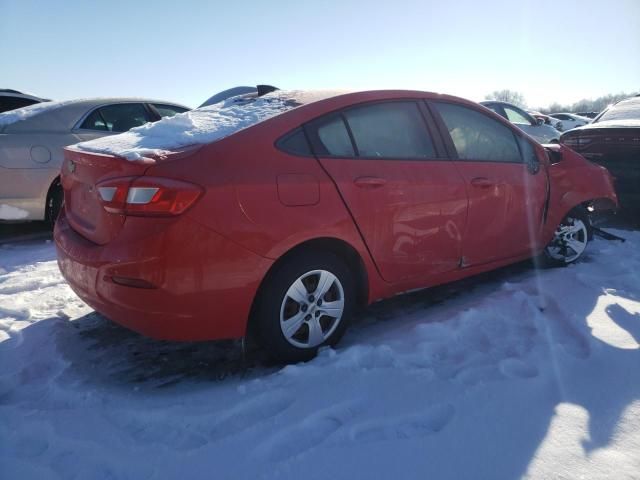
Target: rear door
[507, 194]
[408, 202]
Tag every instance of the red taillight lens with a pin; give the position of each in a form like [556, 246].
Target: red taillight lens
[147, 196]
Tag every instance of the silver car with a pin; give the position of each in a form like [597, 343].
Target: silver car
[539, 130]
[32, 139]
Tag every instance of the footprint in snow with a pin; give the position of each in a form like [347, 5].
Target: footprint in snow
[248, 414]
[406, 427]
[309, 433]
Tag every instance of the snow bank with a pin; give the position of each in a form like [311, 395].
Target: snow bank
[516, 374]
[13, 116]
[200, 126]
[8, 212]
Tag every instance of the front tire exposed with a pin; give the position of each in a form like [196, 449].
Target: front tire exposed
[570, 239]
[306, 303]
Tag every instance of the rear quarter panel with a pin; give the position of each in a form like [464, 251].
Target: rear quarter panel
[242, 175]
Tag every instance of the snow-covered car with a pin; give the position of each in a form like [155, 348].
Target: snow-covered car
[11, 99]
[280, 214]
[570, 120]
[32, 139]
[537, 129]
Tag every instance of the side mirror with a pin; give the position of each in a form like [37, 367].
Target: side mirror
[540, 121]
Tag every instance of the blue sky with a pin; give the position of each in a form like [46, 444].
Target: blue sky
[186, 51]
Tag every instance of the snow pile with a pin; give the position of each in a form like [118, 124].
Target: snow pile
[8, 212]
[19, 114]
[515, 374]
[203, 125]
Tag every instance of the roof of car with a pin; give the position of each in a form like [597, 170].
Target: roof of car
[285, 109]
[61, 116]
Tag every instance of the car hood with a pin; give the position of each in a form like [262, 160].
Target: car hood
[620, 123]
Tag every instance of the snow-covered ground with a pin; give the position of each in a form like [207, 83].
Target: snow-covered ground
[517, 373]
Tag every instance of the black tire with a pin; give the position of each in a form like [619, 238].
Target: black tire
[55, 200]
[273, 301]
[552, 260]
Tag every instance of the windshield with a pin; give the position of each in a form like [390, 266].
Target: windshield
[625, 110]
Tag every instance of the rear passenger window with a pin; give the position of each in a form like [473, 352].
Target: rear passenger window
[120, 117]
[295, 143]
[390, 130]
[478, 137]
[95, 122]
[333, 138]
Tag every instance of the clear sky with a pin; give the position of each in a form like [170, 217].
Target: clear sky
[185, 51]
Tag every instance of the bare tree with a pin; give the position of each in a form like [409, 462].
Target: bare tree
[508, 96]
[587, 105]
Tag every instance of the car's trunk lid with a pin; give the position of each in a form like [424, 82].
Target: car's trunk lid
[80, 174]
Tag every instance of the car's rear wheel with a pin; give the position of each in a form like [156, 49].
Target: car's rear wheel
[305, 303]
[55, 199]
[570, 239]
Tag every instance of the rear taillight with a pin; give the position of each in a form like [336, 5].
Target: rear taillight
[147, 196]
[576, 142]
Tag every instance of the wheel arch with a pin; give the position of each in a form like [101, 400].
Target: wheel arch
[338, 247]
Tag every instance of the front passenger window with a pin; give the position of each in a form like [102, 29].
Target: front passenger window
[477, 136]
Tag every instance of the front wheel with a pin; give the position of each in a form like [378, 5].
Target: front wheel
[570, 239]
[305, 304]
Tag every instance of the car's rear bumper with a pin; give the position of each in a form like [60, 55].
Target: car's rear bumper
[203, 285]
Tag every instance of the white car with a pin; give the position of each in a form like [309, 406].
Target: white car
[537, 129]
[570, 120]
[32, 140]
[12, 99]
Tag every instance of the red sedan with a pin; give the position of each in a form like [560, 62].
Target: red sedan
[283, 227]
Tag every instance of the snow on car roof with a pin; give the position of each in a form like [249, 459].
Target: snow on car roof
[19, 114]
[202, 125]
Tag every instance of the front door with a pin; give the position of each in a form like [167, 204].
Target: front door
[506, 188]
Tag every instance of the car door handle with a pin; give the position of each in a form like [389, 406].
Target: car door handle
[369, 182]
[482, 182]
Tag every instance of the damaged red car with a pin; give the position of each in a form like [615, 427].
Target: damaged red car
[296, 208]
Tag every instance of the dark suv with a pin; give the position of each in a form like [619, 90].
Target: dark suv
[613, 141]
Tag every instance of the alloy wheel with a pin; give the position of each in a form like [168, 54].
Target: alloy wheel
[312, 309]
[570, 240]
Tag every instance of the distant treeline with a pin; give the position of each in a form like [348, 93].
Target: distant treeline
[585, 105]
